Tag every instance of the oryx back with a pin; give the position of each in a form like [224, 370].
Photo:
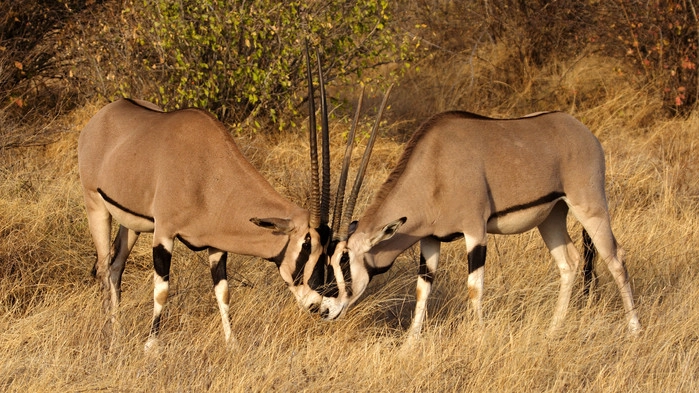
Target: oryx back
[508, 172]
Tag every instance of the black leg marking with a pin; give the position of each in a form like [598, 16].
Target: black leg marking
[589, 254]
[161, 261]
[424, 271]
[218, 272]
[476, 258]
[155, 327]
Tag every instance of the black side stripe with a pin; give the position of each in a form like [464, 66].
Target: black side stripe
[545, 199]
[115, 203]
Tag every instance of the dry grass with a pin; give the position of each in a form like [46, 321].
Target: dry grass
[50, 321]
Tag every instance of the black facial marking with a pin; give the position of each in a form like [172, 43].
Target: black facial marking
[346, 273]
[332, 245]
[545, 199]
[218, 271]
[324, 232]
[330, 288]
[115, 203]
[476, 258]
[301, 260]
[424, 272]
[375, 271]
[317, 279]
[279, 258]
[161, 261]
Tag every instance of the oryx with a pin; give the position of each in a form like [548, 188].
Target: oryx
[463, 176]
[181, 176]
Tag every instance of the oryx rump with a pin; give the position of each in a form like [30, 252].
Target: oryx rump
[463, 176]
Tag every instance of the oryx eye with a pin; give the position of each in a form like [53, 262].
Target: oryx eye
[306, 246]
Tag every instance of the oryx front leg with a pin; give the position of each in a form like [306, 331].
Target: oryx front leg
[476, 248]
[217, 263]
[162, 257]
[429, 259]
[553, 231]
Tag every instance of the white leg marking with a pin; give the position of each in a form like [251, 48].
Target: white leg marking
[160, 294]
[475, 291]
[429, 254]
[221, 291]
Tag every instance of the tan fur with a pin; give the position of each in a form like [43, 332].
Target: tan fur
[467, 174]
[181, 175]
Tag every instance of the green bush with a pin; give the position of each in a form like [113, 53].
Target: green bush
[243, 60]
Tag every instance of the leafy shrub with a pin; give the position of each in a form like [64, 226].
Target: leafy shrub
[239, 59]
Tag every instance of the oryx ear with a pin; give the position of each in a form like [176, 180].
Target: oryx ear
[387, 231]
[280, 225]
[352, 227]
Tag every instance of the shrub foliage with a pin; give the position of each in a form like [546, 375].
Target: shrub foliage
[242, 60]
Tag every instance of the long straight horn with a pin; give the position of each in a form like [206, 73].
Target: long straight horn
[325, 143]
[342, 184]
[313, 144]
[347, 214]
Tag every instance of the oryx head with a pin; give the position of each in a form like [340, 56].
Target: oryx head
[330, 275]
[298, 265]
[353, 267]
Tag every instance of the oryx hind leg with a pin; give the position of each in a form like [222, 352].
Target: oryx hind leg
[555, 234]
[100, 222]
[429, 259]
[162, 258]
[121, 248]
[217, 263]
[596, 223]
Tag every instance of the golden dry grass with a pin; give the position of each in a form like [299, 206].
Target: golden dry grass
[50, 317]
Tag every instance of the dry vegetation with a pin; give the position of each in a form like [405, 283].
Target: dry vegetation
[50, 329]
[50, 317]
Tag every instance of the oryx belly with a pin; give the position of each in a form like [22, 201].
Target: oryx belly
[520, 220]
[129, 219]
